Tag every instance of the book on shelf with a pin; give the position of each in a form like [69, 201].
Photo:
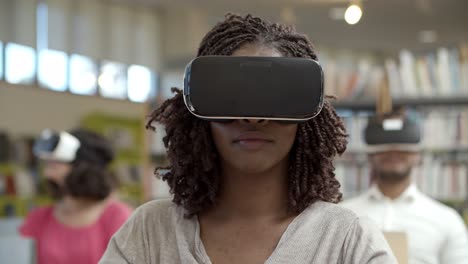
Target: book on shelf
[408, 75]
[464, 67]
[443, 72]
[446, 128]
[442, 180]
[354, 178]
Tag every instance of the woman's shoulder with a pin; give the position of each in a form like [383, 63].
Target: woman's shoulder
[326, 216]
[162, 211]
[156, 207]
[115, 206]
[40, 212]
[360, 238]
[153, 223]
[327, 210]
[35, 221]
[151, 230]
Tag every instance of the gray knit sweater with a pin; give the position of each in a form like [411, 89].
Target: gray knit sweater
[323, 233]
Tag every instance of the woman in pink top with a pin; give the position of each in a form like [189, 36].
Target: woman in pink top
[77, 228]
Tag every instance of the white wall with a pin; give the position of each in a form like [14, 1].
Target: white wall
[106, 31]
[26, 110]
[17, 21]
[183, 29]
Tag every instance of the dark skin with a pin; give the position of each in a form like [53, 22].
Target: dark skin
[392, 171]
[251, 214]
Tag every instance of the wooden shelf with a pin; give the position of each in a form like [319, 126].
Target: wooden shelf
[369, 104]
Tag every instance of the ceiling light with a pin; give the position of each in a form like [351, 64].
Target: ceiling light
[353, 14]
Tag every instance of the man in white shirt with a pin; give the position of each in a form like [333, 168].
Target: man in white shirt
[436, 233]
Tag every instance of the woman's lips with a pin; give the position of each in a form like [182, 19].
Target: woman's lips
[252, 140]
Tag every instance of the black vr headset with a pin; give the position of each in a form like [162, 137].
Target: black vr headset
[226, 88]
[393, 132]
[59, 146]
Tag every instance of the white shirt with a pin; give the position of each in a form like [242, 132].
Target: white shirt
[436, 233]
[159, 233]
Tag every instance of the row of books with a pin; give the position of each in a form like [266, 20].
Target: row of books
[354, 178]
[443, 72]
[442, 129]
[438, 178]
[442, 181]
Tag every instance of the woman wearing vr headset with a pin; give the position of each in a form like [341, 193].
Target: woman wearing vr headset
[249, 190]
[79, 225]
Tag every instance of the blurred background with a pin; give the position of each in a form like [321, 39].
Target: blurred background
[104, 64]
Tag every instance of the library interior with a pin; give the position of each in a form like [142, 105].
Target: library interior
[93, 136]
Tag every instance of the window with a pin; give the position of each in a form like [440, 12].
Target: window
[113, 80]
[20, 64]
[171, 79]
[83, 75]
[52, 71]
[1, 60]
[141, 83]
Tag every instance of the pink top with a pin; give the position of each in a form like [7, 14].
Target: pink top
[58, 243]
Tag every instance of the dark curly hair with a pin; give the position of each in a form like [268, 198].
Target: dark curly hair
[90, 177]
[193, 175]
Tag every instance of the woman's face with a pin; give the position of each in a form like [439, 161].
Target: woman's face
[253, 146]
[56, 171]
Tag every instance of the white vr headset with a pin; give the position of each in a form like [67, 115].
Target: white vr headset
[59, 146]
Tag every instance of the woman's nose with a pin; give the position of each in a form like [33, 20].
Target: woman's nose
[254, 121]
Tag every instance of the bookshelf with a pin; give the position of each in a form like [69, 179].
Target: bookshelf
[413, 78]
[435, 85]
[369, 104]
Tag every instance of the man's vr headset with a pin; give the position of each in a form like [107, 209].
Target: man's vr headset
[59, 146]
[223, 88]
[393, 132]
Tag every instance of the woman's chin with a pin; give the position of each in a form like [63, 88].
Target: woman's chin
[253, 166]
